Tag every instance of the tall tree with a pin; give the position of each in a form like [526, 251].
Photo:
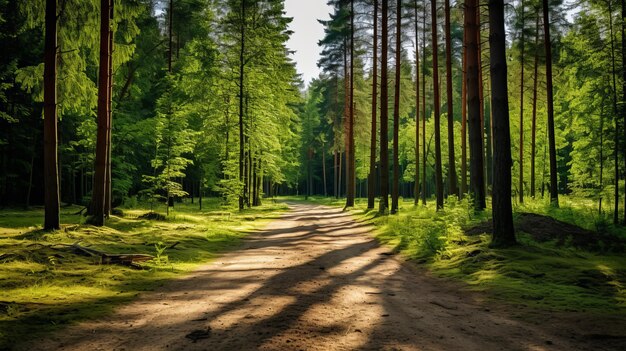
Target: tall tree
[521, 108]
[350, 161]
[477, 180]
[99, 189]
[242, 51]
[371, 182]
[533, 132]
[417, 105]
[384, 119]
[615, 113]
[452, 180]
[395, 190]
[623, 27]
[464, 119]
[436, 108]
[51, 166]
[503, 231]
[554, 189]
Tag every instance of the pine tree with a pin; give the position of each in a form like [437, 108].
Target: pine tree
[503, 231]
[51, 169]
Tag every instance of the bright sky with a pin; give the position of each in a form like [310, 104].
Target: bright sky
[307, 32]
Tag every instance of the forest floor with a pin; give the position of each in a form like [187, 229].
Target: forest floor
[317, 279]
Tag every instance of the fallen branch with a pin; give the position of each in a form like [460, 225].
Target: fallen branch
[107, 258]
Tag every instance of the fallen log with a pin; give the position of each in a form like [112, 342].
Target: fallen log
[107, 258]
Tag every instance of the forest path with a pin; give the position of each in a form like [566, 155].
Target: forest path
[314, 279]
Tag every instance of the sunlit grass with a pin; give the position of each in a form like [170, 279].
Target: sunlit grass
[543, 275]
[43, 285]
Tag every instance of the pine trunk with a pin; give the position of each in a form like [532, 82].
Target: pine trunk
[424, 106]
[436, 108]
[395, 190]
[452, 180]
[371, 182]
[417, 109]
[99, 188]
[241, 102]
[503, 231]
[108, 194]
[477, 180]
[521, 116]
[350, 164]
[51, 170]
[384, 101]
[533, 133]
[554, 189]
[464, 120]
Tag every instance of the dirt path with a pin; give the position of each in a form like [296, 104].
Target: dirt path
[313, 280]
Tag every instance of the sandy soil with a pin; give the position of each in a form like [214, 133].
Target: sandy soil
[316, 280]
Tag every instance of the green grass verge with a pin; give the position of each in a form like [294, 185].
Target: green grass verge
[541, 275]
[44, 286]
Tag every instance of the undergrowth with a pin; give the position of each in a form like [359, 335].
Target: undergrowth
[43, 285]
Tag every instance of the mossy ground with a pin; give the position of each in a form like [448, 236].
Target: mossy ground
[43, 285]
[545, 275]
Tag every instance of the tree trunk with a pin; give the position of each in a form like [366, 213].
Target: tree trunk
[108, 193]
[241, 102]
[503, 231]
[424, 106]
[623, 3]
[481, 97]
[371, 182]
[554, 189]
[464, 120]
[384, 101]
[616, 114]
[51, 170]
[417, 109]
[452, 180]
[350, 154]
[438, 170]
[521, 116]
[395, 189]
[533, 133]
[477, 180]
[99, 189]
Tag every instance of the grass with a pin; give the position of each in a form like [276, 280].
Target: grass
[44, 286]
[544, 275]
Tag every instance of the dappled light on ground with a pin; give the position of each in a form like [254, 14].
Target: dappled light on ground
[314, 280]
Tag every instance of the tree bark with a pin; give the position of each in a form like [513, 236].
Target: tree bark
[554, 189]
[99, 188]
[452, 180]
[51, 170]
[395, 190]
[438, 168]
[350, 154]
[417, 108]
[424, 106]
[616, 114]
[464, 120]
[242, 48]
[521, 115]
[477, 180]
[371, 182]
[503, 231]
[384, 120]
[533, 133]
[108, 191]
[623, 27]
